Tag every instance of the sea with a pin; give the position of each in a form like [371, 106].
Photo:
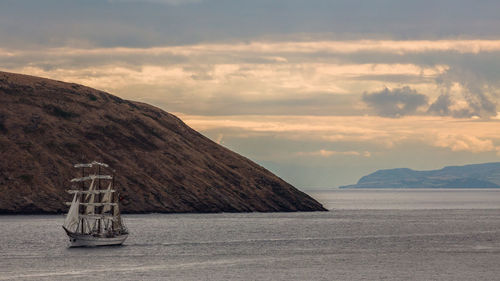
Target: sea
[391, 234]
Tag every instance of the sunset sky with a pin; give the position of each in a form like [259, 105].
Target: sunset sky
[319, 92]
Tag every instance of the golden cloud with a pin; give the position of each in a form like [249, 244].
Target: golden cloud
[329, 153]
[283, 47]
[469, 135]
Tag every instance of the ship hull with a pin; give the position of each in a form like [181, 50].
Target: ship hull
[82, 240]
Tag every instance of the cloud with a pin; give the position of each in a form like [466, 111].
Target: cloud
[464, 143]
[167, 2]
[279, 77]
[441, 106]
[396, 102]
[219, 139]
[133, 23]
[464, 94]
[356, 131]
[329, 153]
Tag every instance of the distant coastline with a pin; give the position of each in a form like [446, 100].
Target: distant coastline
[355, 186]
[474, 176]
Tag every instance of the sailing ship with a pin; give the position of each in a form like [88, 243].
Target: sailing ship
[94, 217]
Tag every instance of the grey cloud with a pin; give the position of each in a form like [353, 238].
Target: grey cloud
[319, 104]
[395, 78]
[27, 23]
[478, 93]
[200, 72]
[477, 74]
[48, 61]
[395, 103]
[441, 106]
[166, 2]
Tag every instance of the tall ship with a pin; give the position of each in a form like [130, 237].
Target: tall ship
[94, 217]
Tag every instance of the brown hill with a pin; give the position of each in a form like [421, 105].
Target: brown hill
[162, 164]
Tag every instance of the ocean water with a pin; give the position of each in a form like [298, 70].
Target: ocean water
[367, 235]
[377, 199]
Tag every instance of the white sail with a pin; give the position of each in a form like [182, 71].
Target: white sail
[95, 217]
[107, 199]
[86, 227]
[90, 209]
[92, 177]
[89, 165]
[71, 222]
[96, 191]
[98, 204]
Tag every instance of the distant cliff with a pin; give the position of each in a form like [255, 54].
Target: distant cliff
[468, 176]
[162, 165]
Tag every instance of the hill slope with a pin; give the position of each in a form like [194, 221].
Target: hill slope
[469, 176]
[162, 165]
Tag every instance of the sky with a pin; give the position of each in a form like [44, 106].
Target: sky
[319, 92]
